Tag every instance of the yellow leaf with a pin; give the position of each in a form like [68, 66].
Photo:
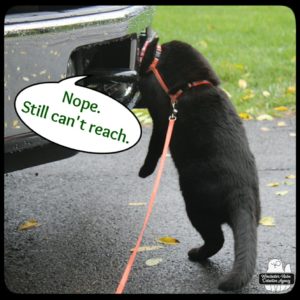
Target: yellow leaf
[265, 129]
[290, 176]
[143, 115]
[31, 223]
[281, 124]
[239, 67]
[281, 193]
[266, 94]
[245, 116]
[168, 240]
[203, 44]
[137, 203]
[16, 124]
[147, 248]
[267, 221]
[264, 117]
[273, 184]
[242, 83]
[281, 108]
[153, 261]
[291, 90]
[288, 183]
[249, 95]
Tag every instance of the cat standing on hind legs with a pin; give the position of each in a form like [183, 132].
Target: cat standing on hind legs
[217, 172]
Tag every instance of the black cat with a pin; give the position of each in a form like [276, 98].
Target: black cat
[217, 171]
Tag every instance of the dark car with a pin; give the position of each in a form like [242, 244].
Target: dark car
[51, 43]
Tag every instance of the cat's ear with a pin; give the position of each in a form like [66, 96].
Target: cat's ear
[148, 56]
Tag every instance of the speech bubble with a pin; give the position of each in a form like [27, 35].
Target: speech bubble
[78, 117]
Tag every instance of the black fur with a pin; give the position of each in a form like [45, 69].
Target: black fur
[217, 171]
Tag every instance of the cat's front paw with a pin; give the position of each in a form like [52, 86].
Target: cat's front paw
[145, 171]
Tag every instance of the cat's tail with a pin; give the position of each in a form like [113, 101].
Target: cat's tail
[244, 226]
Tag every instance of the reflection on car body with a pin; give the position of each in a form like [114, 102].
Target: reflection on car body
[50, 43]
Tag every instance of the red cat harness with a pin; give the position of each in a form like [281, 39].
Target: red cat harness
[153, 68]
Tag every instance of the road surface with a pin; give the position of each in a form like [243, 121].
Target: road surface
[87, 226]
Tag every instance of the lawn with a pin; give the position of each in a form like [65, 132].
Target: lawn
[252, 49]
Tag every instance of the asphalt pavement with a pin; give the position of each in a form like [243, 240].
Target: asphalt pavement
[87, 227]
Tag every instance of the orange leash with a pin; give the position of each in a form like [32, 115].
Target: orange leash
[128, 268]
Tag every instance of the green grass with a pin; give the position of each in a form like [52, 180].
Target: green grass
[253, 43]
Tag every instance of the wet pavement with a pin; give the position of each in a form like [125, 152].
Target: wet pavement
[87, 226]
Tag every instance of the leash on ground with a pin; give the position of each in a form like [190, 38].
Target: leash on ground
[131, 260]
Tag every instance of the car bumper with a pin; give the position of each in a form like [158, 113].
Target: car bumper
[37, 48]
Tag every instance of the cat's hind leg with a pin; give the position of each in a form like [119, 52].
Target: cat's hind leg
[213, 237]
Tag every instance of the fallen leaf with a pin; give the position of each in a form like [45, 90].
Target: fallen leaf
[239, 67]
[249, 94]
[265, 129]
[168, 240]
[153, 261]
[203, 44]
[147, 121]
[288, 183]
[293, 134]
[281, 108]
[136, 203]
[143, 115]
[273, 184]
[245, 116]
[148, 248]
[281, 124]
[291, 176]
[242, 83]
[137, 113]
[16, 124]
[266, 94]
[264, 117]
[248, 97]
[281, 193]
[31, 223]
[291, 90]
[267, 221]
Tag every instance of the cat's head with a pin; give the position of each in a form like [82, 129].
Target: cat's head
[177, 65]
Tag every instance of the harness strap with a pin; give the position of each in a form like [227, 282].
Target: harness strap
[153, 68]
[129, 265]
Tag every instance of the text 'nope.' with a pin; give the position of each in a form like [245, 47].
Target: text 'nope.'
[78, 117]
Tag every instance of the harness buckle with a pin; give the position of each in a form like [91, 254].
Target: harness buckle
[173, 115]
